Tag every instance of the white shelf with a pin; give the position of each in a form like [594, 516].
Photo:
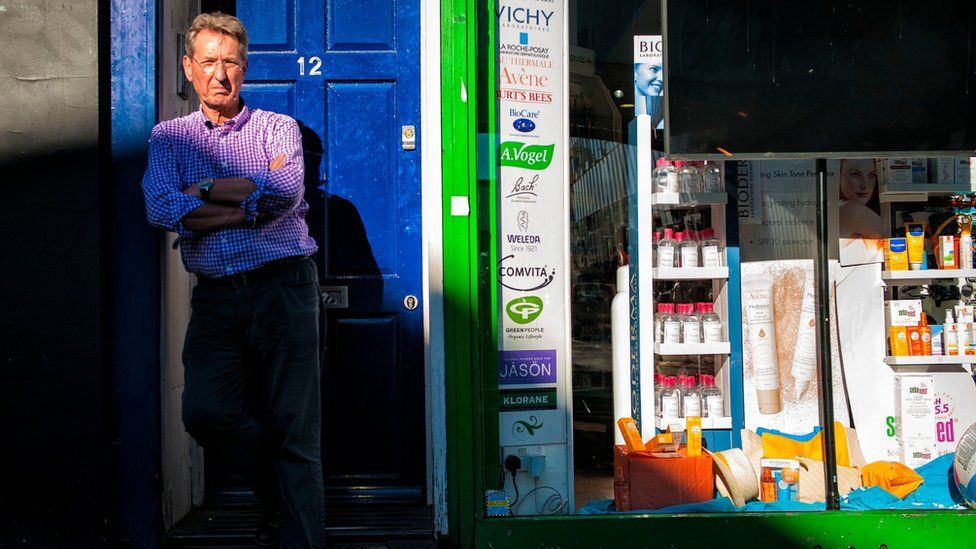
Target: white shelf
[692, 348]
[689, 273]
[707, 422]
[929, 360]
[688, 200]
[922, 191]
[924, 277]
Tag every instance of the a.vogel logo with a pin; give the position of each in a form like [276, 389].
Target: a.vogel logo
[521, 155]
[524, 191]
[523, 310]
[523, 220]
[524, 278]
[523, 125]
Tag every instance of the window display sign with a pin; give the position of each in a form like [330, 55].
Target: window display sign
[532, 270]
[649, 78]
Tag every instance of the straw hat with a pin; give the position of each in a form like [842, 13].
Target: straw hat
[734, 477]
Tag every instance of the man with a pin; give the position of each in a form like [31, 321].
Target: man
[229, 180]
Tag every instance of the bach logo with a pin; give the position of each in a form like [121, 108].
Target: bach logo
[520, 155]
[524, 191]
[524, 310]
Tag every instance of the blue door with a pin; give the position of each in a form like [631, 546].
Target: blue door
[349, 72]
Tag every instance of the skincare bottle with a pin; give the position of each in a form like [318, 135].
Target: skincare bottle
[805, 351]
[951, 336]
[690, 398]
[658, 391]
[654, 243]
[671, 332]
[665, 177]
[711, 173]
[687, 249]
[714, 403]
[758, 304]
[711, 323]
[965, 242]
[689, 180]
[670, 399]
[659, 320]
[665, 250]
[710, 249]
[690, 325]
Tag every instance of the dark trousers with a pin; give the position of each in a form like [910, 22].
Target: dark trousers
[262, 340]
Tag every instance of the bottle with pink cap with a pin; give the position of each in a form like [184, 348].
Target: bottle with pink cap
[714, 403]
[665, 177]
[670, 398]
[691, 404]
[690, 324]
[711, 252]
[711, 323]
[667, 249]
[689, 180]
[687, 249]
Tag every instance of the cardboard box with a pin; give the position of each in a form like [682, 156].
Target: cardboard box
[920, 171]
[945, 171]
[653, 483]
[899, 172]
[963, 170]
[915, 418]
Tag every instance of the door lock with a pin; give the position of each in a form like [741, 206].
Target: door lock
[410, 302]
[408, 138]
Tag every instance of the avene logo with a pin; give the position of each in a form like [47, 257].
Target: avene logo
[524, 310]
[520, 155]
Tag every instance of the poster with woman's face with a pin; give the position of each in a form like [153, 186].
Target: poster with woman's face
[859, 213]
[649, 79]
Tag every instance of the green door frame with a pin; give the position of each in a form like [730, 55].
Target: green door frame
[470, 324]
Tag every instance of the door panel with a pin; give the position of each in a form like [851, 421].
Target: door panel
[348, 71]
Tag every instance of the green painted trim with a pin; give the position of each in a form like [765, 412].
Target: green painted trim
[869, 529]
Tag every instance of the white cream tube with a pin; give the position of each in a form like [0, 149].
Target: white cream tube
[757, 297]
[805, 352]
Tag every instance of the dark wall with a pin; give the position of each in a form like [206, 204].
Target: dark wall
[53, 457]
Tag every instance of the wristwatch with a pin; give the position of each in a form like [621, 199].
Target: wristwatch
[205, 187]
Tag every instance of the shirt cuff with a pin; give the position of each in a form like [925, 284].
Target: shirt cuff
[250, 203]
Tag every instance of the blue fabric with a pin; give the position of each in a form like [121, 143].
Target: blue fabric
[801, 438]
[938, 491]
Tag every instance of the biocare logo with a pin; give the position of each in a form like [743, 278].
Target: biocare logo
[523, 310]
[517, 154]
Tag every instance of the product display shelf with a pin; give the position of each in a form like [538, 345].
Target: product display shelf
[667, 349]
[930, 360]
[688, 200]
[921, 192]
[707, 423]
[911, 278]
[690, 273]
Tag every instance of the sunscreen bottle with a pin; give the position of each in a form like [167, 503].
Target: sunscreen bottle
[965, 242]
[951, 336]
[758, 302]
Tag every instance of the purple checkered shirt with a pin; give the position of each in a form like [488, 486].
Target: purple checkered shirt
[190, 149]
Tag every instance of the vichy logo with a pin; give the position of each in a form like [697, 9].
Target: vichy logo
[524, 191]
[523, 220]
[524, 278]
[521, 155]
[523, 16]
[523, 113]
[523, 310]
[523, 125]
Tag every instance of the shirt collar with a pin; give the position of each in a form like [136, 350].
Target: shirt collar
[234, 124]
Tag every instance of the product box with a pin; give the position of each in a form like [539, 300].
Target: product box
[943, 170]
[920, 171]
[899, 171]
[964, 170]
[915, 417]
[652, 483]
[903, 312]
[779, 480]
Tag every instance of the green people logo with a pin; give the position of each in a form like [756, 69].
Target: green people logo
[524, 309]
[531, 157]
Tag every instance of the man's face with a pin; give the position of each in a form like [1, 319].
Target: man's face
[216, 70]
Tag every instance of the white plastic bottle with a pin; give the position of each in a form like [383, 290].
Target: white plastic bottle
[690, 324]
[658, 391]
[711, 249]
[711, 323]
[714, 402]
[665, 177]
[691, 404]
[687, 250]
[689, 180]
[951, 335]
[660, 319]
[711, 174]
[666, 249]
